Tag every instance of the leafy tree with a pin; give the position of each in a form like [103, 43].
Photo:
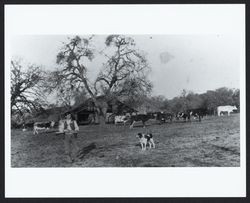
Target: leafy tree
[194, 101]
[225, 96]
[166, 105]
[177, 105]
[210, 100]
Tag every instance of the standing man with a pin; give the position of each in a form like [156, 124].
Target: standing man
[70, 131]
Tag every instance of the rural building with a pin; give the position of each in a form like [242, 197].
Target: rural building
[85, 113]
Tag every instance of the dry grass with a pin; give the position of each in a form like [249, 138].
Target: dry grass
[213, 142]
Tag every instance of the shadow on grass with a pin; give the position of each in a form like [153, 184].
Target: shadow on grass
[85, 150]
[233, 151]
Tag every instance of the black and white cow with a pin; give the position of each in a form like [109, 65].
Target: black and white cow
[183, 115]
[141, 117]
[198, 113]
[42, 126]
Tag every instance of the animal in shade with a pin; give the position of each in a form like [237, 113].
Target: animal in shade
[140, 117]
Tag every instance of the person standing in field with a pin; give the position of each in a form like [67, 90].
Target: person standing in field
[70, 130]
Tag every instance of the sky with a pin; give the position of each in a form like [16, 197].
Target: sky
[193, 62]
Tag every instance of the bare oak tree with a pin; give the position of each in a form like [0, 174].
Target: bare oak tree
[70, 80]
[26, 93]
[124, 72]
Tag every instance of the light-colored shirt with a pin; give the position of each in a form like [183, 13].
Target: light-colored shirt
[65, 125]
[69, 126]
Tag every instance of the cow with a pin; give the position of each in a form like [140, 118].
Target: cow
[40, 126]
[121, 119]
[229, 109]
[198, 113]
[140, 117]
[163, 117]
[184, 115]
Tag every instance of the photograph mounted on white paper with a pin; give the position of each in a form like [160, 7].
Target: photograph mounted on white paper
[123, 100]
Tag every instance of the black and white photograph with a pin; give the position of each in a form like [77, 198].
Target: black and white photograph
[125, 101]
[107, 99]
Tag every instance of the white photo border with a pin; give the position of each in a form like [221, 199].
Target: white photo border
[125, 19]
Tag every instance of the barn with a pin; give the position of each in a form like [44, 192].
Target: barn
[85, 113]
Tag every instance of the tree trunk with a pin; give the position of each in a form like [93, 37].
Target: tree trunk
[102, 108]
[102, 116]
[102, 120]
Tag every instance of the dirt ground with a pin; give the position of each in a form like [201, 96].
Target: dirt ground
[214, 142]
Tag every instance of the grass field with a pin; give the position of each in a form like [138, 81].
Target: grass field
[214, 142]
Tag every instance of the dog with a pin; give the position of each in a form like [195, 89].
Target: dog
[146, 139]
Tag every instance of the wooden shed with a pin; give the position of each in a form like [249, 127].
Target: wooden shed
[85, 113]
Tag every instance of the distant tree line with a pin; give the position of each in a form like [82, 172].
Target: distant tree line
[190, 100]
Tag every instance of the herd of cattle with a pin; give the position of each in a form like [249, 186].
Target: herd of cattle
[162, 117]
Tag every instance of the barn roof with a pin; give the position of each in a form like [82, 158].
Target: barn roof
[89, 106]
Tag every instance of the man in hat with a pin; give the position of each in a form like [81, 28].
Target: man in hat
[70, 131]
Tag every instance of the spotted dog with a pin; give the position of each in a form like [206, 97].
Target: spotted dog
[146, 139]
